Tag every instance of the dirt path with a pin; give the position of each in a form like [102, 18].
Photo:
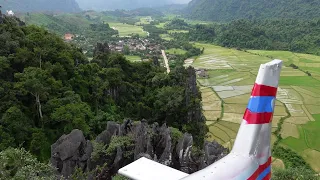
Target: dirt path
[166, 61]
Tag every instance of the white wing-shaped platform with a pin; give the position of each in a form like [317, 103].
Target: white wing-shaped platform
[146, 169]
[250, 158]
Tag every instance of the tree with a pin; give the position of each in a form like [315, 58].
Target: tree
[6, 140]
[168, 104]
[17, 124]
[20, 164]
[294, 174]
[39, 145]
[126, 50]
[38, 83]
[72, 116]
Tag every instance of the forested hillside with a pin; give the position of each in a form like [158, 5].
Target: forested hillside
[124, 4]
[283, 34]
[48, 88]
[40, 5]
[227, 10]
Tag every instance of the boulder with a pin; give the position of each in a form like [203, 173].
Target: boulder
[71, 151]
[183, 151]
[151, 141]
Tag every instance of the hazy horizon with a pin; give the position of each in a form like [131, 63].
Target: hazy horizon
[124, 4]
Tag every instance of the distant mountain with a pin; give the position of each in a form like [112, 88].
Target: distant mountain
[40, 5]
[226, 10]
[103, 5]
[172, 8]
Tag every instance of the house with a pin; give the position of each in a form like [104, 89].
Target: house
[68, 37]
[10, 13]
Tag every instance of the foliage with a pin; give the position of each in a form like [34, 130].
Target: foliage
[49, 88]
[153, 30]
[98, 149]
[119, 177]
[227, 10]
[120, 141]
[175, 134]
[290, 158]
[282, 34]
[177, 24]
[294, 173]
[20, 164]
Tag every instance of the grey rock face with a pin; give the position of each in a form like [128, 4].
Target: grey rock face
[183, 149]
[112, 129]
[71, 151]
[191, 93]
[152, 142]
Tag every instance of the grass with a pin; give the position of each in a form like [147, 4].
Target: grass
[235, 108]
[212, 115]
[242, 99]
[128, 30]
[219, 133]
[166, 37]
[311, 130]
[298, 120]
[278, 164]
[133, 58]
[232, 117]
[63, 23]
[313, 109]
[161, 25]
[176, 51]
[298, 81]
[177, 31]
[296, 144]
[144, 20]
[312, 156]
[232, 73]
[289, 130]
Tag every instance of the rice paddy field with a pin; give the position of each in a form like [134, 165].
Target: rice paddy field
[133, 58]
[226, 93]
[175, 51]
[166, 37]
[127, 29]
[144, 20]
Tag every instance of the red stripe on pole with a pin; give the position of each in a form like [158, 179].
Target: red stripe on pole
[260, 169]
[268, 177]
[257, 118]
[263, 90]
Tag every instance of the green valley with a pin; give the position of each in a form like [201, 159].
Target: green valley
[92, 91]
[227, 90]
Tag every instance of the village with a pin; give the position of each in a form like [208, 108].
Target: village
[132, 45]
[127, 45]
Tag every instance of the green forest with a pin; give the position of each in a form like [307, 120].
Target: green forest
[228, 10]
[282, 34]
[49, 88]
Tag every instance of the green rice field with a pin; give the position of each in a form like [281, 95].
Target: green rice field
[226, 93]
[175, 51]
[133, 58]
[127, 30]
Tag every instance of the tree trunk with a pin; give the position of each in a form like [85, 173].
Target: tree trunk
[40, 62]
[39, 108]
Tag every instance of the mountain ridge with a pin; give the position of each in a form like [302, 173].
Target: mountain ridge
[228, 10]
[40, 5]
[102, 5]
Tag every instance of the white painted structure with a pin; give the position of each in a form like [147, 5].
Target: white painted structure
[250, 157]
[10, 13]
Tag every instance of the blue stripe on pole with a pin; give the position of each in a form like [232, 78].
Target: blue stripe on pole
[261, 104]
[264, 173]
